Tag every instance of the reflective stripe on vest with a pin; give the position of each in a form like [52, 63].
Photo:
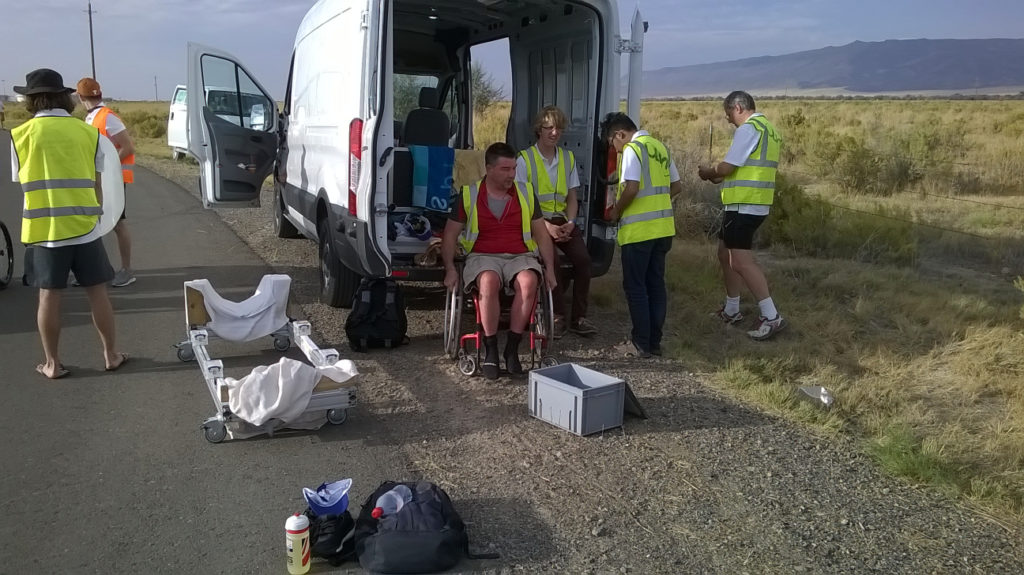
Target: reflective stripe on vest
[553, 196]
[57, 171]
[649, 216]
[470, 197]
[128, 163]
[754, 181]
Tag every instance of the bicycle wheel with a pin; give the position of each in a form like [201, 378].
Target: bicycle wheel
[6, 258]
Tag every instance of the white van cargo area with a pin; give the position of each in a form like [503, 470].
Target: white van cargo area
[376, 131]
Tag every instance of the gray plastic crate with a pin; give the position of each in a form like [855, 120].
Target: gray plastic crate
[577, 399]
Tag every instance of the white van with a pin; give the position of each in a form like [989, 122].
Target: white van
[223, 102]
[342, 169]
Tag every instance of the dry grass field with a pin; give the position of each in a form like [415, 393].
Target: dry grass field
[893, 249]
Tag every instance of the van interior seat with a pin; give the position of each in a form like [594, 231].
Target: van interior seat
[427, 125]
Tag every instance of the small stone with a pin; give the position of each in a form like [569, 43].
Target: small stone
[598, 531]
[844, 521]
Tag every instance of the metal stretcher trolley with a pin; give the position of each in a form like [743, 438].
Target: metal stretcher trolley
[209, 316]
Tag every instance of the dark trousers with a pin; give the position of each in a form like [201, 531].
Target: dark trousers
[643, 279]
[576, 252]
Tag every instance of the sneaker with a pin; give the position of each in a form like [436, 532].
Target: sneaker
[489, 366]
[560, 327]
[583, 327]
[630, 349]
[656, 351]
[72, 280]
[512, 363]
[729, 319]
[767, 328]
[123, 278]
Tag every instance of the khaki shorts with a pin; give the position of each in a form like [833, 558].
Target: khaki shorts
[505, 265]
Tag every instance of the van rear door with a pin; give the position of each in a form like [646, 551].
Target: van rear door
[231, 128]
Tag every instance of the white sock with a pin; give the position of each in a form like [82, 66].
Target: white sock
[732, 305]
[768, 310]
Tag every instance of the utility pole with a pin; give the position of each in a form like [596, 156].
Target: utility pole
[92, 50]
[156, 93]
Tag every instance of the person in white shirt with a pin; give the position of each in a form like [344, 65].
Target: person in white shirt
[111, 126]
[749, 171]
[552, 172]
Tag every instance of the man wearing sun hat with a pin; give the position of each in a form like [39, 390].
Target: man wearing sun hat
[110, 125]
[57, 160]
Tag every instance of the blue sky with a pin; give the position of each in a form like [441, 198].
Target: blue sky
[139, 39]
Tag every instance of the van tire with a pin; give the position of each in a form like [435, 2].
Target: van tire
[176, 155]
[338, 284]
[283, 228]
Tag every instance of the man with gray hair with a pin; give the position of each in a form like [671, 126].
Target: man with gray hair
[747, 175]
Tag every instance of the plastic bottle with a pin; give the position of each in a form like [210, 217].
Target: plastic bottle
[391, 502]
[297, 543]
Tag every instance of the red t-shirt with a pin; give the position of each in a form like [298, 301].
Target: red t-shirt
[502, 235]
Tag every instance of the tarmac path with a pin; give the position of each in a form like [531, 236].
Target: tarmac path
[109, 472]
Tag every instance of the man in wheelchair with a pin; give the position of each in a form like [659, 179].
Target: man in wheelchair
[500, 227]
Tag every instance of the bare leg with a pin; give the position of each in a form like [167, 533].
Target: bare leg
[103, 319]
[124, 244]
[522, 304]
[48, 320]
[745, 267]
[733, 281]
[488, 285]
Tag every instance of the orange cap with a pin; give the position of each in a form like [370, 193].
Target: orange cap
[89, 88]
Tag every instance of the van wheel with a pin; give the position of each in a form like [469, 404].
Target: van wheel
[176, 155]
[338, 284]
[282, 227]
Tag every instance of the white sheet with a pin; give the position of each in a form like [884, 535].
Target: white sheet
[260, 315]
[281, 391]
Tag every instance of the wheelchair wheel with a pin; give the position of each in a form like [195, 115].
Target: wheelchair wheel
[6, 258]
[453, 305]
[545, 315]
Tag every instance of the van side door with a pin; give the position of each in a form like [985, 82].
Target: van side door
[231, 128]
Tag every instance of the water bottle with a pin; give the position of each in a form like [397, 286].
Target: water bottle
[297, 542]
[391, 502]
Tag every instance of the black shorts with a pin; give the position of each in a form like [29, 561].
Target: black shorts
[737, 231]
[125, 202]
[47, 268]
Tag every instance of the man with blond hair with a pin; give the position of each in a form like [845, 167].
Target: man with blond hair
[551, 170]
[110, 125]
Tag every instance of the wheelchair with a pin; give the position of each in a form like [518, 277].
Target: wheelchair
[464, 343]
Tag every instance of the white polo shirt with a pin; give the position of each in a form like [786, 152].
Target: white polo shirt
[631, 163]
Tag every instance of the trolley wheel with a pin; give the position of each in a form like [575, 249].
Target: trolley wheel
[337, 416]
[215, 431]
[467, 365]
[185, 352]
[282, 343]
[548, 361]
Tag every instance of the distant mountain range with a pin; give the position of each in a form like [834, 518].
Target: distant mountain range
[900, 66]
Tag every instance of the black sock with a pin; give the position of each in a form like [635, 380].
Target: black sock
[489, 367]
[512, 353]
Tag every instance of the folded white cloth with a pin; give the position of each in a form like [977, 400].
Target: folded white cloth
[281, 391]
[265, 312]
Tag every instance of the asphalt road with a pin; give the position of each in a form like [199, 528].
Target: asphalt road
[109, 472]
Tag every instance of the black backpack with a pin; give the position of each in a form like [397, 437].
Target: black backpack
[425, 536]
[378, 317]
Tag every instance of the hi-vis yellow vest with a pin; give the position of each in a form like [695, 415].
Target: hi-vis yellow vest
[754, 181]
[552, 194]
[470, 195]
[57, 171]
[649, 215]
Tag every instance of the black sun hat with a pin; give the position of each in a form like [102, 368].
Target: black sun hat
[43, 81]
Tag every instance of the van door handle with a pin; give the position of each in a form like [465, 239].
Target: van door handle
[172, 115]
[384, 156]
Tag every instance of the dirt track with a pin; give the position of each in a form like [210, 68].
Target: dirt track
[705, 485]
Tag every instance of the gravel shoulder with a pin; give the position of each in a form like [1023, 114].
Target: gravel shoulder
[706, 485]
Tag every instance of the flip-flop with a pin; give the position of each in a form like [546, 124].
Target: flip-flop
[124, 360]
[61, 371]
